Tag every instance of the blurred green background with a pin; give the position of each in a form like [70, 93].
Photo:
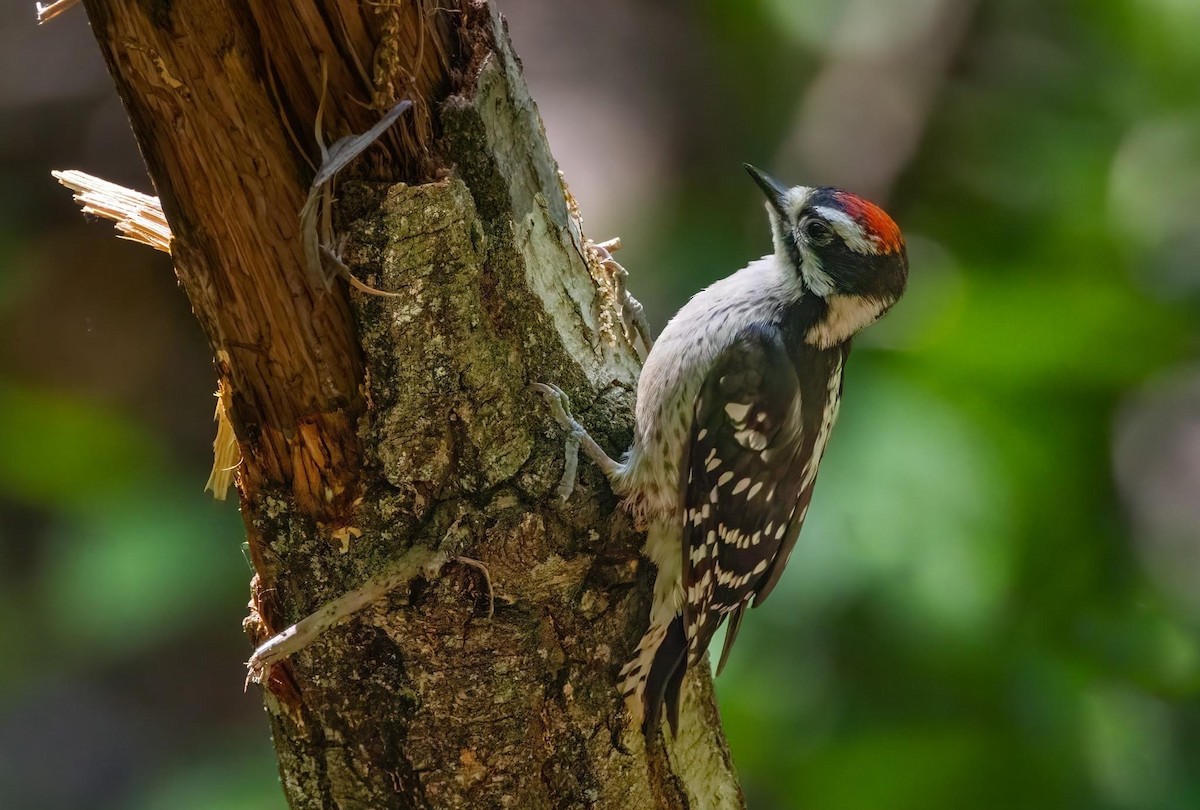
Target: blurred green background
[995, 601]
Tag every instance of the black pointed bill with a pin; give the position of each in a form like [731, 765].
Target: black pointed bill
[775, 191]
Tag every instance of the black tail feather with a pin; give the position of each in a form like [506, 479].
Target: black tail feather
[665, 678]
[672, 696]
[735, 621]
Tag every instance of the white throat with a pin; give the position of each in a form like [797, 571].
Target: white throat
[847, 316]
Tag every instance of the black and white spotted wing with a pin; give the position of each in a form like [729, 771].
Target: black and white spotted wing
[749, 474]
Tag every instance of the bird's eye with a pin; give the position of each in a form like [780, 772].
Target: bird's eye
[817, 232]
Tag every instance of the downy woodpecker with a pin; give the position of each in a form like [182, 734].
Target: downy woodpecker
[735, 404]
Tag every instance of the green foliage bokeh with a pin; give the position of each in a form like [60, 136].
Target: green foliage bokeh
[985, 609]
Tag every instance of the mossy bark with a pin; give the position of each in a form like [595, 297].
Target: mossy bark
[426, 700]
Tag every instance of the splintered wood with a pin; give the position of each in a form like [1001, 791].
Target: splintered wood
[48, 11]
[222, 96]
[226, 453]
[139, 217]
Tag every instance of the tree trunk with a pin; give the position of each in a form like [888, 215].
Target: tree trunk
[370, 426]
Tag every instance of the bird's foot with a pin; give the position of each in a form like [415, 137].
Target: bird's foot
[560, 409]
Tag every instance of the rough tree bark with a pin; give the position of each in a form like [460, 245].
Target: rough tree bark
[370, 426]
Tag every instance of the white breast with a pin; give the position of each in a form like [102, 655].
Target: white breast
[677, 366]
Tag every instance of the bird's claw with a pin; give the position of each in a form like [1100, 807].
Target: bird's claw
[559, 402]
[560, 409]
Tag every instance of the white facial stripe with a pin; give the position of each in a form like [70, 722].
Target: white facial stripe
[847, 315]
[797, 198]
[850, 231]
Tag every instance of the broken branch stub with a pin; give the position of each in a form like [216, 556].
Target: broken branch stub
[48, 11]
[139, 216]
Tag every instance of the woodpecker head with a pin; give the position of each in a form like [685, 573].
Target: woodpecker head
[843, 249]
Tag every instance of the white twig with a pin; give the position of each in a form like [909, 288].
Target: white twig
[295, 638]
[48, 11]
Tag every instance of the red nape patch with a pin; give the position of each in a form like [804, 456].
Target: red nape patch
[874, 220]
